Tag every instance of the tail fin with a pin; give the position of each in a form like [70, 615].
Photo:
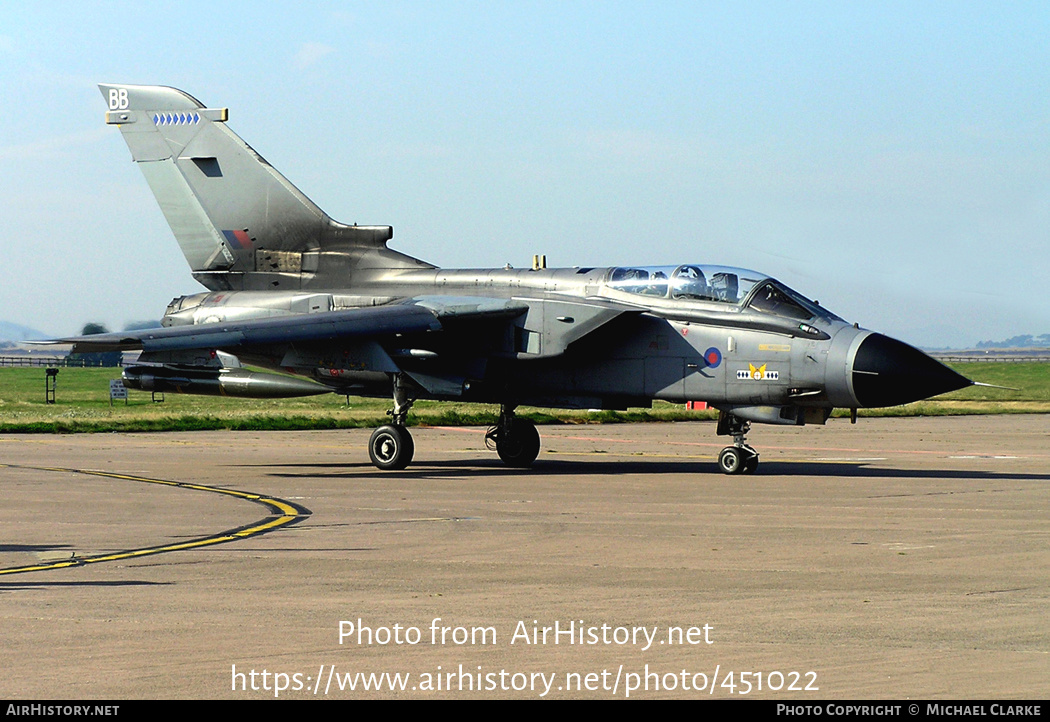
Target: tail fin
[240, 223]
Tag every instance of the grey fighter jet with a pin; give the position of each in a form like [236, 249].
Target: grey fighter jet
[295, 292]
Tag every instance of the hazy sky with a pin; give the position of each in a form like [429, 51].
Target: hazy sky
[891, 160]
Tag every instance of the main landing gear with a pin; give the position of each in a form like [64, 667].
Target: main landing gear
[391, 447]
[739, 458]
[516, 440]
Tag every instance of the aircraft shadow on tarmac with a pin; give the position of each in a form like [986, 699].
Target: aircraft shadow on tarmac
[33, 548]
[868, 471]
[21, 586]
[577, 469]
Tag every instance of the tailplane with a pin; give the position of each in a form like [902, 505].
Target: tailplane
[240, 223]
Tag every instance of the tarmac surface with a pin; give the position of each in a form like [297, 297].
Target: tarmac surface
[898, 558]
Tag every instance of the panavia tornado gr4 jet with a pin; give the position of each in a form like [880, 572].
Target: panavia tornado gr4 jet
[293, 291]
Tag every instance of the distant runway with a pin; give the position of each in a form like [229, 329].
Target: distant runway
[894, 558]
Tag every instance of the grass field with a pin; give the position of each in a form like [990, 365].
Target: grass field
[82, 405]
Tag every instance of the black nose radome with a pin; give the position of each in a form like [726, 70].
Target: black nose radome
[887, 372]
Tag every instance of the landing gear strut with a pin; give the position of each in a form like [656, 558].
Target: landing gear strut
[739, 458]
[391, 446]
[517, 441]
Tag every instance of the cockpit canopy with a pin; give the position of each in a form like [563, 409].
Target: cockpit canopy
[737, 287]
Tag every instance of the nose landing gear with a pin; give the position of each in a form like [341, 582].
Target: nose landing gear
[740, 458]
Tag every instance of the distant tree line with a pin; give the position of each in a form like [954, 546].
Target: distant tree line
[1025, 341]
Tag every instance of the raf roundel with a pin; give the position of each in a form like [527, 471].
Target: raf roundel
[712, 357]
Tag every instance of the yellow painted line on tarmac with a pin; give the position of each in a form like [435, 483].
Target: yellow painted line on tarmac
[282, 514]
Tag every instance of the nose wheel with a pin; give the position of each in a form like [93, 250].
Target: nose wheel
[739, 458]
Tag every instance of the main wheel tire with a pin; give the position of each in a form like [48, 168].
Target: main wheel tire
[731, 460]
[519, 445]
[391, 447]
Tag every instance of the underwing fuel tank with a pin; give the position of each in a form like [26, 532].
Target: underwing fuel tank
[219, 382]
